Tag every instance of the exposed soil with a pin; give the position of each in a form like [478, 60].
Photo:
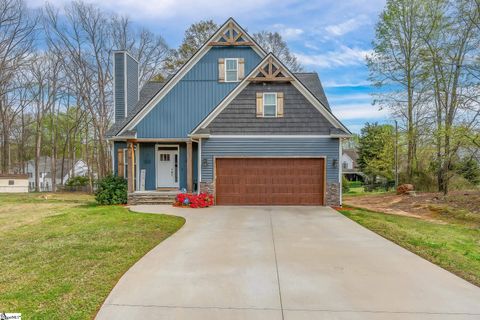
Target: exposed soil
[426, 206]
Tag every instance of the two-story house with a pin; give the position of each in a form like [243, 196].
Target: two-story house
[233, 121]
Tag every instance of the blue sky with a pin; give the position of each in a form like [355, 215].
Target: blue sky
[331, 37]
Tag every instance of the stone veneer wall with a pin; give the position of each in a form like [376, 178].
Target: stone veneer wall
[332, 197]
[207, 187]
[333, 194]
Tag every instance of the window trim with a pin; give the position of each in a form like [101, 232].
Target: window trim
[226, 70]
[276, 105]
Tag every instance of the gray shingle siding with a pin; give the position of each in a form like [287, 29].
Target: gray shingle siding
[300, 116]
[270, 147]
[119, 86]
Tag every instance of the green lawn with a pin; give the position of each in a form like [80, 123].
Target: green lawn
[451, 244]
[61, 256]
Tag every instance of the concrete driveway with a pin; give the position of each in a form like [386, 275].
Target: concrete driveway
[284, 263]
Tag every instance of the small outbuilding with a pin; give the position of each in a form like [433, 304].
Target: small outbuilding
[13, 183]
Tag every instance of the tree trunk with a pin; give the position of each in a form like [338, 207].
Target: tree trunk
[38, 142]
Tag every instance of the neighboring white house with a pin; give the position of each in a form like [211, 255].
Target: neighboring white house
[347, 160]
[349, 165]
[13, 183]
[70, 168]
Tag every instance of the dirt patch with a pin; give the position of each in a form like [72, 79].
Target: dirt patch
[428, 206]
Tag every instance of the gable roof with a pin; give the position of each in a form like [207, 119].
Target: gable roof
[150, 89]
[312, 82]
[132, 120]
[341, 130]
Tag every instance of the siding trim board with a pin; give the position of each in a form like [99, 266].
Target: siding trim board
[184, 70]
[296, 83]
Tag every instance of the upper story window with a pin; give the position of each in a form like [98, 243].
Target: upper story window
[231, 70]
[270, 104]
[345, 165]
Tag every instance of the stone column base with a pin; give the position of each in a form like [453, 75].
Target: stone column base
[207, 187]
[332, 196]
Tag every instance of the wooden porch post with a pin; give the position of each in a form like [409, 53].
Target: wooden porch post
[189, 167]
[131, 166]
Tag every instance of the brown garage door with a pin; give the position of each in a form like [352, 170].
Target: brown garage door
[270, 181]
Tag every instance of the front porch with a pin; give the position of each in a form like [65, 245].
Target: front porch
[157, 169]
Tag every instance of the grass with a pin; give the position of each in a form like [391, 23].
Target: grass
[451, 243]
[62, 254]
[360, 191]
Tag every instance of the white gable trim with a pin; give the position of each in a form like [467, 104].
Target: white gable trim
[296, 83]
[183, 71]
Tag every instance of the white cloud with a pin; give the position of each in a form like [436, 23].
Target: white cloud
[288, 33]
[347, 26]
[291, 33]
[336, 84]
[344, 56]
[345, 98]
[359, 111]
[177, 10]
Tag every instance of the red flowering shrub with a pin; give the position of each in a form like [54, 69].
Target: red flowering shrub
[201, 200]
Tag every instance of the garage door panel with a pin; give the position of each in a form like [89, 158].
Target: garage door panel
[270, 181]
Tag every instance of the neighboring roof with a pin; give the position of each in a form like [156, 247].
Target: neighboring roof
[351, 153]
[149, 90]
[312, 82]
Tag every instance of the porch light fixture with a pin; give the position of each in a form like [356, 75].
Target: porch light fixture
[204, 163]
[335, 163]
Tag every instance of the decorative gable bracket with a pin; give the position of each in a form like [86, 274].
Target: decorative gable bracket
[270, 71]
[231, 36]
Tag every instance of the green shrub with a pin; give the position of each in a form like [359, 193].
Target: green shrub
[78, 181]
[355, 184]
[111, 190]
[470, 170]
[345, 185]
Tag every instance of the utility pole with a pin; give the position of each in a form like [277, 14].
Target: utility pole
[396, 154]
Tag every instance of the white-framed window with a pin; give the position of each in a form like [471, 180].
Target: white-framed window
[231, 70]
[269, 104]
[345, 165]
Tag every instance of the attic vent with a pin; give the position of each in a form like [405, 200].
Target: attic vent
[231, 36]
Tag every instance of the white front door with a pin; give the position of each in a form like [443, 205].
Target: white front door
[167, 168]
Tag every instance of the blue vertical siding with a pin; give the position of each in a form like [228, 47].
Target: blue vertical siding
[328, 147]
[147, 163]
[194, 97]
[119, 84]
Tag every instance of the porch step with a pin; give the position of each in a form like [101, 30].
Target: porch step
[151, 198]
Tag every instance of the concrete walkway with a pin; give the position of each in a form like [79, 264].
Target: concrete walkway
[284, 263]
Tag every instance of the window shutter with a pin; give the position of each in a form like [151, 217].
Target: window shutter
[121, 164]
[259, 104]
[241, 68]
[221, 70]
[279, 104]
